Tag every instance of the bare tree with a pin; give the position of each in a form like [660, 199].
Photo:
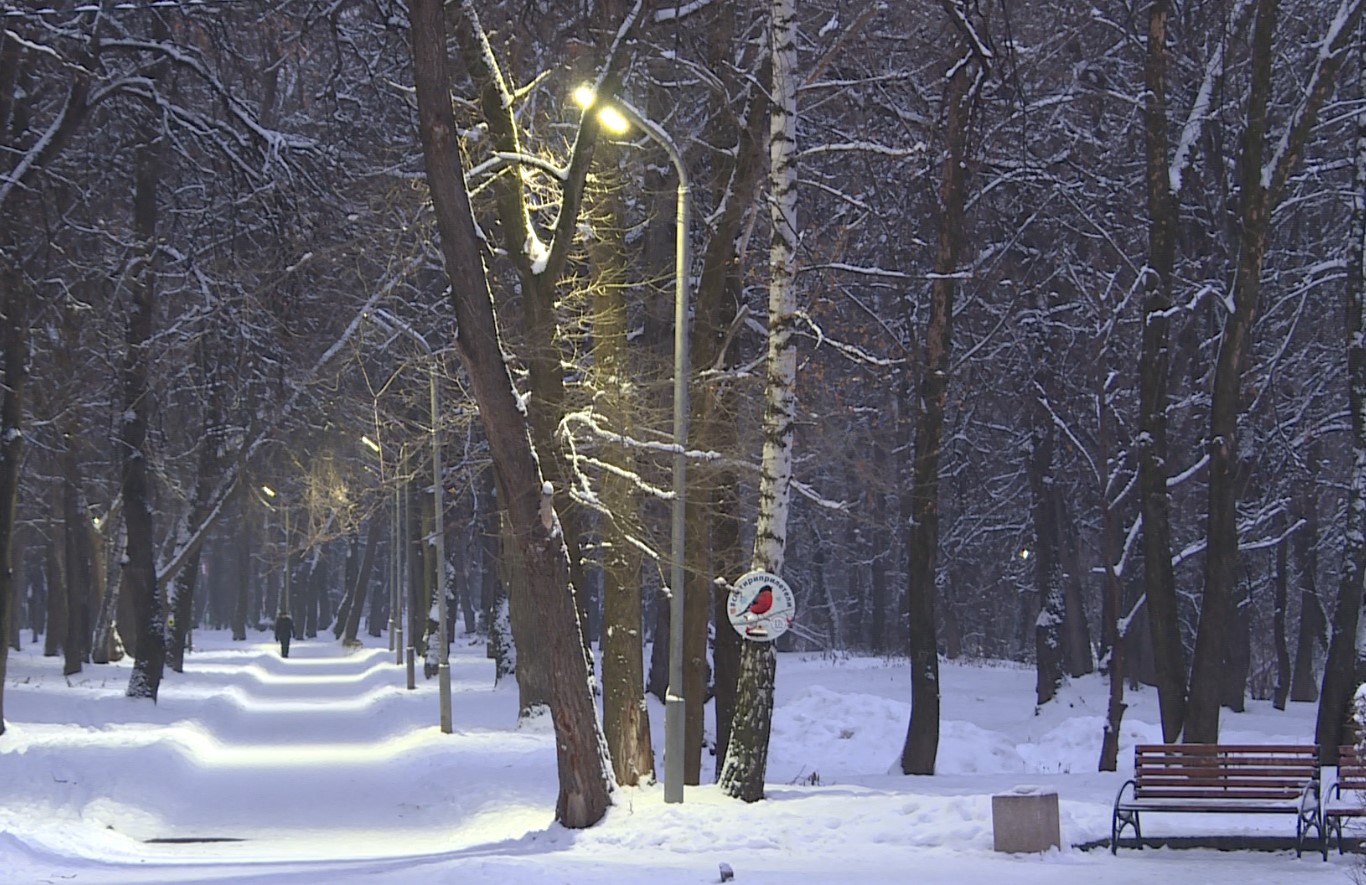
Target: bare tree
[1345, 668]
[16, 354]
[1262, 179]
[584, 767]
[961, 93]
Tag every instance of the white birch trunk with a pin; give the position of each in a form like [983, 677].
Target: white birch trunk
[742, 775]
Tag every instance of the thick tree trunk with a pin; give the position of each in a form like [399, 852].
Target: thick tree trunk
[464, 590]
[1279, 595]
[415, 555]
[77, 569]
[246, 570]
[921, 749]
[20, 604]
[1346, 663]
[1114, 711]
[1048, 578]
[58, 616]
[727, 555]
[540, 267]
[1305, 546]
[15, 365]
[625, 716]
[1233, 684]
[139, 568]
[533, 676]
[1211, 658]
[493, 598]
[879, 590]
[697, 608]
[1262, 180]
[1078, 657]
[1111, 552]
[105, 642]
[357, 593]
[209, 471]
[1159, 580]
[352, 542]
[181, 609]
[585, 784]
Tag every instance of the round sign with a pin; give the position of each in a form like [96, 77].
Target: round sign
[761, 606]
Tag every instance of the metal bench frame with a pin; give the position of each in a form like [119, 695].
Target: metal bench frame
[1222, 779]
[1351, 779]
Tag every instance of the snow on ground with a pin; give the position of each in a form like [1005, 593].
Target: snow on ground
[323, 768]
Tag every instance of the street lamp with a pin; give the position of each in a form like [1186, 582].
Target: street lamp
[395, 561]
[614, 115]
[271, 494]
[386, 320]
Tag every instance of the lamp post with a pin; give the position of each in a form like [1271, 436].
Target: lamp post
[386, 320]
[615, 115]
[395, 570]
[271, 494]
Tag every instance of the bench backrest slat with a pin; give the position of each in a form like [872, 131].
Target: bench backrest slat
[1224, 771]
[1351, 768]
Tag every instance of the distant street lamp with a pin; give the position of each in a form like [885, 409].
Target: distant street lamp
[388, 321]
[271, 494]
[615, 115]
[395, 567]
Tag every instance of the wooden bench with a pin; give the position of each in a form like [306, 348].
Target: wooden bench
[1351, 781]
[1222, 779]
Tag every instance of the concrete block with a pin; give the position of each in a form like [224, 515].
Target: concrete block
[1025, 819]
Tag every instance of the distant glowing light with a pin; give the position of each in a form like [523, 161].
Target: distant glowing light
[370, 444]
[1025, 553]
[270, 493]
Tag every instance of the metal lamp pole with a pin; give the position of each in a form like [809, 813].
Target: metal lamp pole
[270, 495]
[395, 622]
[396, 603]
[674, 706]
[284, 604]
[443, 668]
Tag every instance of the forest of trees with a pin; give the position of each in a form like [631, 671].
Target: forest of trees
[1018, 330]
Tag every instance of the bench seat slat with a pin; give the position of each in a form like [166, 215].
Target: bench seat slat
[1214, 797]
[1213, 786]
[1226, 807]
[1229, 776]
[1238, 762]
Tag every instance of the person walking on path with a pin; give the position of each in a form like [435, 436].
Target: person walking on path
[284, 631]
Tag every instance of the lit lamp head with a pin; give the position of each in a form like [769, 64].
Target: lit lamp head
[611, 119]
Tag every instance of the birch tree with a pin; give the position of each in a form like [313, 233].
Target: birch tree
[742, 775]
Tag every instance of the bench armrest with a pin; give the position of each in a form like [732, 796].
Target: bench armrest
[1311, 801]
[1131, 785]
